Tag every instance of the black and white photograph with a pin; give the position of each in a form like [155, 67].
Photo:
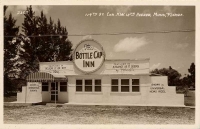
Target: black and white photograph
[99, 65]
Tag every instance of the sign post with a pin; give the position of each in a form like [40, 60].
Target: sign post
[55, 56]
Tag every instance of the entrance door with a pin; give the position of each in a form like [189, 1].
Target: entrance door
[54, 91]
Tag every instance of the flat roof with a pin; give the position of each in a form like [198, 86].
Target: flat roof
[136, 59]
[142, 74]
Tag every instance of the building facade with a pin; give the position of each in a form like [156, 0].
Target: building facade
[92, 79]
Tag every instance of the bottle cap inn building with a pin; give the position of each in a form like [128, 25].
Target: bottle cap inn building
[92, 79]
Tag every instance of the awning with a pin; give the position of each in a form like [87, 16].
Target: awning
[44, 77]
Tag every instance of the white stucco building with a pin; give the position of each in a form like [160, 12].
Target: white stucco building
[92, 79]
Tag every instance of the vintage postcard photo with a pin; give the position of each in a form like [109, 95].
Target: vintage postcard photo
[99, 64]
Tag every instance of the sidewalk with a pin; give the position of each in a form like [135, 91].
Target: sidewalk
[15, 103]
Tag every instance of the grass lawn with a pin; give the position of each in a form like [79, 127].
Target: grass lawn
[48, 114]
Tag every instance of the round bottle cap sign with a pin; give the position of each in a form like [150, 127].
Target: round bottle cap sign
[88, 56]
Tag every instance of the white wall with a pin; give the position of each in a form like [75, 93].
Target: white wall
[42, 96]
[34, 92]
[144, 97]
[168, 97]
[26, 96]
[106, 96]
[106, 73]
[21, 95]
[63, 95]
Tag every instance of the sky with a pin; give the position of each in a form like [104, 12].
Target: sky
[175, 49]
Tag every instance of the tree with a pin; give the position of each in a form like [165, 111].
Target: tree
[173, 75]
[11, 44]
[42, 42]
[185, 83]
[191, 75]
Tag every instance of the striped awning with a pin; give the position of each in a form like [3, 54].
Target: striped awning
[44, 77]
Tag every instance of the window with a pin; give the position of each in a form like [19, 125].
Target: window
[45, 86]
[97, 85]
[63, 86]
[114, 85]
[88, 85]
[79, 84]
[135, 85]
[124, 85]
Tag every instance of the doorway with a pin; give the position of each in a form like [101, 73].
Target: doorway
[54, 91]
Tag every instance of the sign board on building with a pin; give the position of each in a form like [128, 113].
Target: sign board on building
[157, 88]
[159, 84]
[127, 66]
[34, 92]
[109, 67]
[88, 56]
[55, 68]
